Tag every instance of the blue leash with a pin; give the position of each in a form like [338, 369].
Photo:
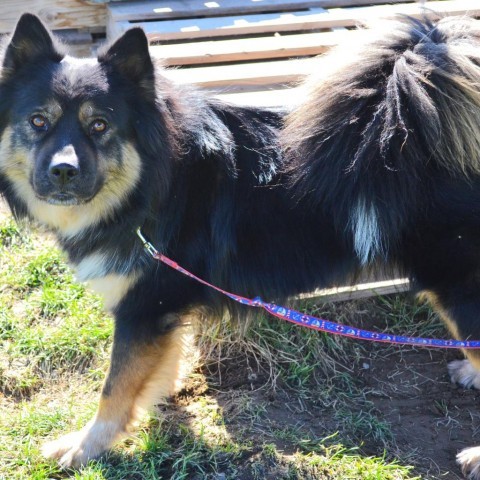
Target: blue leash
[314, 323]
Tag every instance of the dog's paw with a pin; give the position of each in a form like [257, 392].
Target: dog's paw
[469, 461]
[77, 448]
[464, 373]
[71, 450]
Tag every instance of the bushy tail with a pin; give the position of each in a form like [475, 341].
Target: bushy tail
[399, 112]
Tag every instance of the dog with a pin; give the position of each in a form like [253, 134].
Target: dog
[96, 148]
[379, 166]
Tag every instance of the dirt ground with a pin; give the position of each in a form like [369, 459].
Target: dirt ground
[428, 415]
[430, 419]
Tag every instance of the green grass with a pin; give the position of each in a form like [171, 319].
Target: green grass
[48, 323]
[54, 345]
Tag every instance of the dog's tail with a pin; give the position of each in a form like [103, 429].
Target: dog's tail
[399, 112]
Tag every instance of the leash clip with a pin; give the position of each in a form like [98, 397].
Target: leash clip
[146, 244]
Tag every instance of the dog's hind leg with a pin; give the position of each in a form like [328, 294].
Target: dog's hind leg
[140, 374]
[467, 373]
[461, 313]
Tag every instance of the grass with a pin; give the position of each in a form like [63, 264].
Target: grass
[54, 345]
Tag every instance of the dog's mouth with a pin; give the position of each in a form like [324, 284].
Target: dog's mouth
[64, 199]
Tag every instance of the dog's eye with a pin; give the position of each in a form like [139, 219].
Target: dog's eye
[38, 122]
[98, 126]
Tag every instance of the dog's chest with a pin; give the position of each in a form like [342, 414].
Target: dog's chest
[95, 272]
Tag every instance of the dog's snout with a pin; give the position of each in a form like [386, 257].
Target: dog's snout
[63, 173]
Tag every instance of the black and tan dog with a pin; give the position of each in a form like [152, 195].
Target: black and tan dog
[382, 165]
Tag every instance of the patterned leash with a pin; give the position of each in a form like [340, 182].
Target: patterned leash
[309, 321]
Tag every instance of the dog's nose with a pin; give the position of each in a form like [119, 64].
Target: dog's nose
[63, 173]
[64, 166]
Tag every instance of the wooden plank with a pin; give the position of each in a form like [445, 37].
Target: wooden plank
[80, 42]
[294, 21]
[57, 14]
[279, 97]
[273, 46]
[251, 75]
[148, 10]
[201, 27]
[193, 28]
[357, 292]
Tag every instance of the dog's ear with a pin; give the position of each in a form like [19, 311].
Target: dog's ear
[129, 56]
[31, 41]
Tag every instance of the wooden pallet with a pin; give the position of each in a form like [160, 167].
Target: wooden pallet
[80, 23]
[57, 14]
[194, 20]
[239, 48]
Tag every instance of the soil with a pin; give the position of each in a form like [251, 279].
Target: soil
[430, 418]
[428, 414]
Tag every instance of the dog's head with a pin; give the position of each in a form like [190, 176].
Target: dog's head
[70, 125]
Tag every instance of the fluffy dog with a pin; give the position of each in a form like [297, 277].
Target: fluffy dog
[381, 166]
[95, 148]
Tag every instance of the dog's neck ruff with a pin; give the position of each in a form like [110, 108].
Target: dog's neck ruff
[309, 321]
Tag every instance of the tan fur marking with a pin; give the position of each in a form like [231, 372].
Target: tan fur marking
[153, 373]
[14, 162]
[434, 300]
[168, 375]
[88, 111]
[112, 288]
[150, 373]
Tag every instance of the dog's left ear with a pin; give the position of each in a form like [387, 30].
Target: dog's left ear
[30, 42]
[129, 56]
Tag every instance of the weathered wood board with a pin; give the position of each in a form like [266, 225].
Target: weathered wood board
[57, 14]
[177, 28]
[253, 75]
[272, 46]
[157, 10]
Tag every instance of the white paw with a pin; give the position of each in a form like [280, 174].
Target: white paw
[469, 461]
[77, 448]
[464, 373]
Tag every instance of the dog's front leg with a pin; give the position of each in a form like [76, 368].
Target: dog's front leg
[142, 371]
